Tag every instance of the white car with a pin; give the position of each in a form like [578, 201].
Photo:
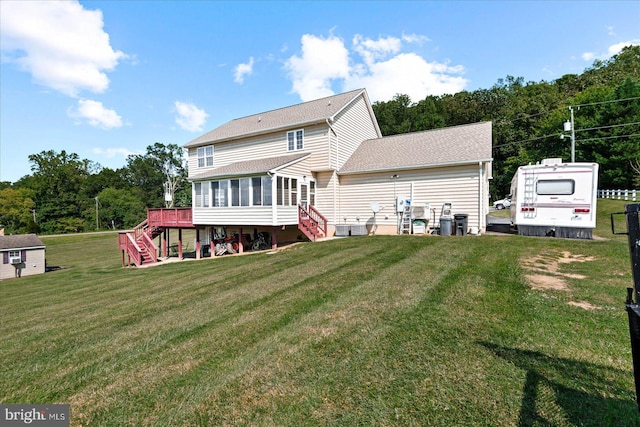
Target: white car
[502, 204]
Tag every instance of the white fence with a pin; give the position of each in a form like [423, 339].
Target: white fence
[619, 194]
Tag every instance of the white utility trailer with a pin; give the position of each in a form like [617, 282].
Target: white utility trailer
[553, 198]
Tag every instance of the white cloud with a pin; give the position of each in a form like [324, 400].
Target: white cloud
[588, 56]
[617, 48]
[614, 49]
[382, 67]
[61, 44]
[410, 74]
[94, 113]
[322, 61]
[242, 70]
[190, 117]
[611, 31]
[414, 38]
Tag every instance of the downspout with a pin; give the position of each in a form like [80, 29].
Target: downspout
[481, 214]
[336, 214]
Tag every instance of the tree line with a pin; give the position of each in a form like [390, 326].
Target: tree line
[528, 119]
[65, 194]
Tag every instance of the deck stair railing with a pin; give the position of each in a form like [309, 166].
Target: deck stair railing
[139, 245]
[312, 223]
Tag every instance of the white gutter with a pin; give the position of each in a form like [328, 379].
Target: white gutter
[410, 167]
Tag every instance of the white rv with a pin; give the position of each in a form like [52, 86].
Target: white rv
[552, 198]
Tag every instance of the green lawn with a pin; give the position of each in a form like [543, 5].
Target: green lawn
[378, 330]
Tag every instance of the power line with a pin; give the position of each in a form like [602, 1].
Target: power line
[581, 140]
[607, 102]
[611, 137]
[580, 105]
[608, 127]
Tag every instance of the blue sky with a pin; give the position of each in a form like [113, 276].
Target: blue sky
[105, 79]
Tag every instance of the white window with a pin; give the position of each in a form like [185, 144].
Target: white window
[235, 192]
[205, 156]
[205, 195]
[312, 193]
[197, 197]
[245, 189]
[287, 191]
[294, 192]
[266, 190]
[220, 193]
[295, 140]
[555, 187]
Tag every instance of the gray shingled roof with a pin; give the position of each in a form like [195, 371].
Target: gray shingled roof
[296, 115]
[250, 167]
[20, 241]
[448, 146]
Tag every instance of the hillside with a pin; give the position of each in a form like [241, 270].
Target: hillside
[381, 330]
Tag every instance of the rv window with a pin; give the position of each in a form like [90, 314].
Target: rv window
[552, 187]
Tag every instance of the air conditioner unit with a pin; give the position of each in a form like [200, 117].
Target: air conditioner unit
[15, 260]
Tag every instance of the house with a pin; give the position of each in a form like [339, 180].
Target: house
[22, 255]
[314, 169]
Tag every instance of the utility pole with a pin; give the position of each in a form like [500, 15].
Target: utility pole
[573, 138]
[570, 126]
[33, 211]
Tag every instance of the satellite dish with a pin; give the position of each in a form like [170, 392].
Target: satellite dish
[375, 207]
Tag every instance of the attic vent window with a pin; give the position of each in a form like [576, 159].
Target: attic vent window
[295, 140]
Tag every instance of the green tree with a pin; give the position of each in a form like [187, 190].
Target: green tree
[147, 173]
[58, 182]
[16, 210]
[120, 208]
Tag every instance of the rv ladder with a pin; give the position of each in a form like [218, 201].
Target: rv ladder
[405, 224]
[529, 194]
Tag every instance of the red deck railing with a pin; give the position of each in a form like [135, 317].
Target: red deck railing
[174, 217]
[312, 222]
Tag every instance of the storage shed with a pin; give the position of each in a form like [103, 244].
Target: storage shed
[22, 255]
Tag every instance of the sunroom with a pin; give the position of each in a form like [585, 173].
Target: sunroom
[264, 192]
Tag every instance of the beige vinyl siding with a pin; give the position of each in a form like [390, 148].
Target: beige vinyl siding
[286, 215]
[192, 161]
[457, 185]
[241, 215]
[326, 203]
[264, 146]
[35, 264]
[299, 169]
[353, 125]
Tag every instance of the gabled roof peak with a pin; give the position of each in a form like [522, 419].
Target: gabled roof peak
[301, 114]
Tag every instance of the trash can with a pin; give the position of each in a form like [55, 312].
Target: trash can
[445, 226]
[419, 227]
[462, 221]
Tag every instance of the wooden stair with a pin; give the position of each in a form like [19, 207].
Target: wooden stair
[312, 223]
[139, 245]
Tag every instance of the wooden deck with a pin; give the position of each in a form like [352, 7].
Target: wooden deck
[170, 218]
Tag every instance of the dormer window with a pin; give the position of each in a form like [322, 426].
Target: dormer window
[295, 140]
[205, 156]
